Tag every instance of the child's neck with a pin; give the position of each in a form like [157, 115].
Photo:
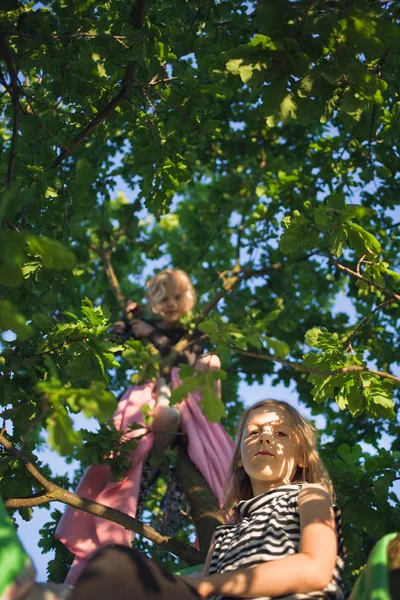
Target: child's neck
[168, 324]
[263, 487]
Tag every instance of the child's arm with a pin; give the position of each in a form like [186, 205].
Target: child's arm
[308, 571]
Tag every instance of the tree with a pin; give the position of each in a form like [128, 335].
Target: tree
[260, 142]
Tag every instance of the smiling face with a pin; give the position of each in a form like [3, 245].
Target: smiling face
[170, 305]
[269, 449]
[170, 294]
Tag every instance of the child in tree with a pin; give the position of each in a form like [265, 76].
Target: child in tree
[284, 539]
[170, 295]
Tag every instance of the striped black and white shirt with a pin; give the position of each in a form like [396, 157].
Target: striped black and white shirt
[270, 530]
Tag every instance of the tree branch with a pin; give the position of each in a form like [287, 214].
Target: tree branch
[13, 89]
[377, 286]
[113, 280]
[203, 505]
[28, 501]
[303, 369]
[227, 286]
[139, 11]
[366, 320]
[53, 492]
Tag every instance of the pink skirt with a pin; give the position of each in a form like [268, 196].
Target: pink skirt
[209, 447]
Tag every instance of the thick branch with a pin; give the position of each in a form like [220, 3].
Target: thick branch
[14, 92]
[28, 501]
[203, 505]
[139, 9]
[56, 493]
[303, 369]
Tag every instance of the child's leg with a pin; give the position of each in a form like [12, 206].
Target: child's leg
[210, 362]
[125, 574]
[165, 419]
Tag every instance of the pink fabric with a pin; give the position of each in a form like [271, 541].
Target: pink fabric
[209, 447]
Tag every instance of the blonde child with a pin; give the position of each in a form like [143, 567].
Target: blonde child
[284, 540]
[170, 295]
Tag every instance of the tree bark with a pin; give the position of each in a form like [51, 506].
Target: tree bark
[203, 504]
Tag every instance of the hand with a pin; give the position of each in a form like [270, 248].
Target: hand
[140, 328]
[133, 309]
[191, 357]
[118, 328]
[199, 583]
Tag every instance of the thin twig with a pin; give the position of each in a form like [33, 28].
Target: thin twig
[377, 286]
[113, 279]
[303, 369]
[366, 320]
[139, 10]
[359, 264]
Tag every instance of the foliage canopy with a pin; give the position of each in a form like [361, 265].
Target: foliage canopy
[259, 143]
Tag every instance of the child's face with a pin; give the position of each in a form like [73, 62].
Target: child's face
[170, 305]
[270, 450]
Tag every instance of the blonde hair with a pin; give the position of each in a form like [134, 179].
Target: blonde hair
[238, 485]
[174, 280]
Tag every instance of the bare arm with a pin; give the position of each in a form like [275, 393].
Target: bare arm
[307, 571]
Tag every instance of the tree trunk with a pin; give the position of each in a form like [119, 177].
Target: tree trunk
[203, 504]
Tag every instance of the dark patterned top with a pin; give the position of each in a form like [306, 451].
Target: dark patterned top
[270, 530]
[164, 339]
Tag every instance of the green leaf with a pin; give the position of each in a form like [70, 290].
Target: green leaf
[350, 455]
[253, 340]
[53, 254]
[299, 233]
[281, 349]
[323, 339]
[93, 402]
[393, 274]
[50, 193]
[338, 241]
[288, 108]
[31, 268]
[336, 201]
[11, 319]
[62, 436]
[355, 400]
[321, 218]
[212, 405]
[42, 321]
[312, 336]
[264, 41]
[361, 240]
[354, 211]
[379, 393]
[180, 393]
[209, 327]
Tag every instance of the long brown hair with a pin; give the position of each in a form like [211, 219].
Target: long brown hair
[238, 485]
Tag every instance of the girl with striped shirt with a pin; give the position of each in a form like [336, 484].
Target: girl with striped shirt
[283, 538]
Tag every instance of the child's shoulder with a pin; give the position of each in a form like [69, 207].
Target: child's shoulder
[313, 491]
